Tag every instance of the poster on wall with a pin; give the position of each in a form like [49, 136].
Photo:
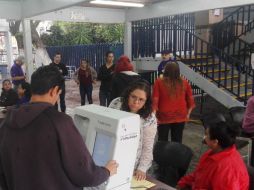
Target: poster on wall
[252, 60]
[216, 12]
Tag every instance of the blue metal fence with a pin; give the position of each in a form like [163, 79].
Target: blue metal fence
[95, 53]
[150, 36]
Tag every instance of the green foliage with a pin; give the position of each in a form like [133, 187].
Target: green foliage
[63, 33]
[56, 38]
[19, 38]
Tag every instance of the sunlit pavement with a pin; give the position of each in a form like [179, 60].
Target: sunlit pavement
[72, 97]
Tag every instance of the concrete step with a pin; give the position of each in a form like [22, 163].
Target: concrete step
[204, 64]
[215, 71]
[242, 95]
[224, 78]
[248, 94]
[241, 85]
[193, 57]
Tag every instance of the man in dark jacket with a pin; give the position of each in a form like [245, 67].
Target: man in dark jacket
[63, 69]
[41, 149]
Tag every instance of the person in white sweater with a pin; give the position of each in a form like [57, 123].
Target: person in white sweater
[137, 99]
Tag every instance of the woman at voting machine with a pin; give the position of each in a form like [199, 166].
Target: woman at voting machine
[137, 99]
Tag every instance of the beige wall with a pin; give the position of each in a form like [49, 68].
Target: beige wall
[208, 17]
[203, 22]
[215, 18]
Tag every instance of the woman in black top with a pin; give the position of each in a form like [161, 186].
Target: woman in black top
[105, 76]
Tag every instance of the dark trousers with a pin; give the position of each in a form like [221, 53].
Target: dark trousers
[176, 132]
[104, 97]
[86, 90]
[62, 101]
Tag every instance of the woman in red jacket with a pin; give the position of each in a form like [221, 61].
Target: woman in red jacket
[172, 102]
[221, 167]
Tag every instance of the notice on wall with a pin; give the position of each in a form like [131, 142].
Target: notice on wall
[252, 60]
[216, 12]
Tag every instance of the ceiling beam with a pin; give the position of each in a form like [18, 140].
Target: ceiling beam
[85, 14]
[173, 7]
[10, 10]
[32, 8]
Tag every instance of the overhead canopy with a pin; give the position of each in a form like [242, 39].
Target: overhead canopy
[82, 10]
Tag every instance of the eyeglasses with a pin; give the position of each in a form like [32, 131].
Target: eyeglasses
[135, 98]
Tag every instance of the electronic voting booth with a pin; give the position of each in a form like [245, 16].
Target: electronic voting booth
[110, 134]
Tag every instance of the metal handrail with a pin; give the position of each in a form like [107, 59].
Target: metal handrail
[235, 82]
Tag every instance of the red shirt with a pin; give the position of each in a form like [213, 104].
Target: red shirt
[172, 109]
[85, 77]
[221, 171]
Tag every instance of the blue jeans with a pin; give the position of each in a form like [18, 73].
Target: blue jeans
[86, 91]
[104, 97]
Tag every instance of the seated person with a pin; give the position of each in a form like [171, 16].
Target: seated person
[248, 121]
[9, 97]
[221, 167]
[137, 99]
[24, 93]
[248, 124]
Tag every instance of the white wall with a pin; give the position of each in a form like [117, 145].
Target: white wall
[4, 25]
[147, 63]
[10, 10]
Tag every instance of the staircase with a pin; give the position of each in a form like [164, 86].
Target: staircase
[210, 66]
[231, 33]
[218, 68]
[242, 51]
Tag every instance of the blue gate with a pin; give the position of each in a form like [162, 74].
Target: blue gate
[94, 53]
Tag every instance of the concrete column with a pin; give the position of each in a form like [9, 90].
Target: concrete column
[8, 43]
[28, 48]
[127, 39]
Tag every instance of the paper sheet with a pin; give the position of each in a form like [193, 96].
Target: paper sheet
[141, 185]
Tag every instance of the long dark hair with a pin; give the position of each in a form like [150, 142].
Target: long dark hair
[172, 79]
[88, 70]
[4, 81]
[146, 110]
